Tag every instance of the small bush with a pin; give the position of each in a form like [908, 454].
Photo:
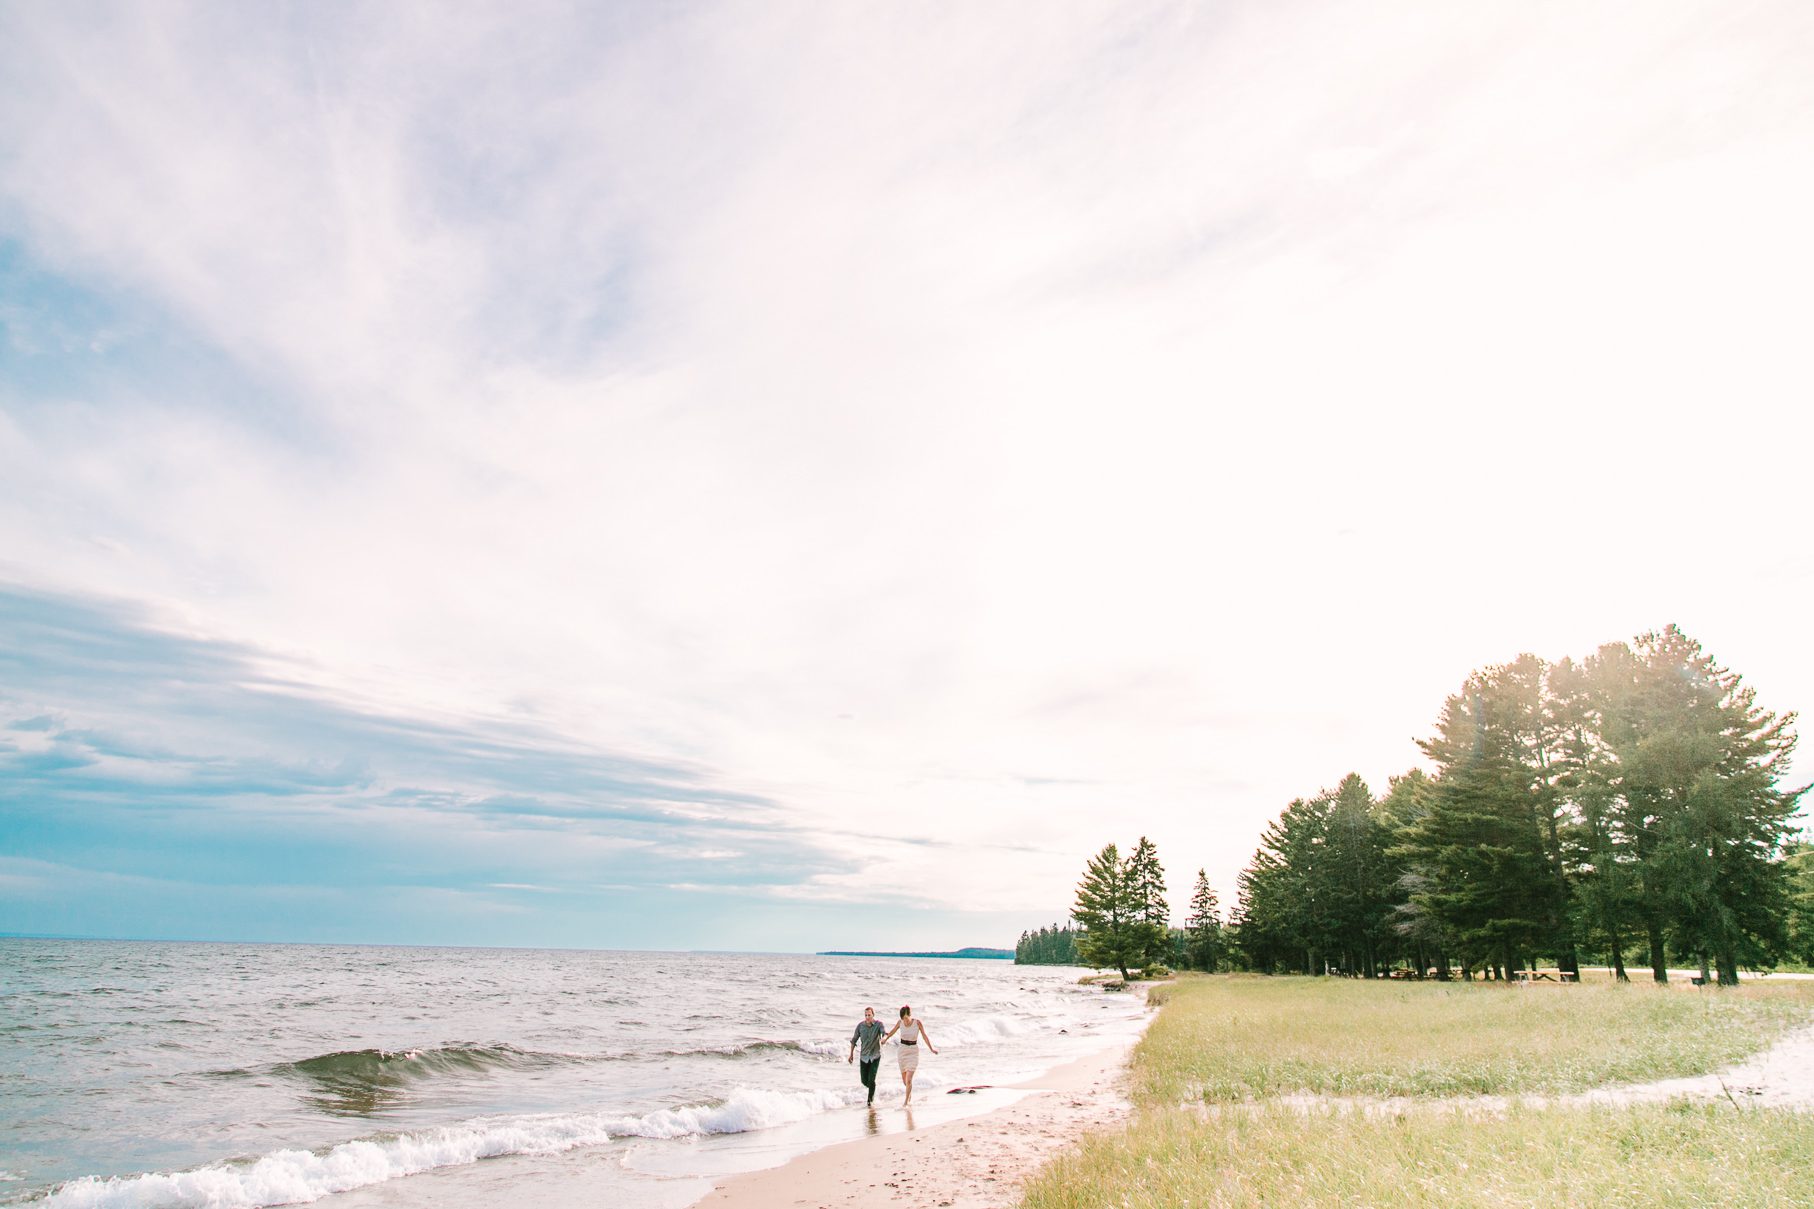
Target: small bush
[1155, 971]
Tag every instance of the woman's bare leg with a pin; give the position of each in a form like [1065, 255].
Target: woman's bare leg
[907, 1078]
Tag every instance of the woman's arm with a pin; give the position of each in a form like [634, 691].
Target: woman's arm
[926, 1037]
[889, 1033]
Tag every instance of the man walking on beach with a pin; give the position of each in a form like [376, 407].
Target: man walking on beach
[869, 1035]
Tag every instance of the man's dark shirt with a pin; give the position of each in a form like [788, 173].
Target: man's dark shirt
[869, 1035]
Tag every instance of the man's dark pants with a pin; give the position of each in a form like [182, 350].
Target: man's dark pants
[866, 1070]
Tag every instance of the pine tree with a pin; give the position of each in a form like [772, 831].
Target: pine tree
[1105, 908]
[1117, 902]
[1484, 846]
[1602, 852]
[1358, 878]
[1699, 764]
[1203, 930]
[1146, 880]
[1282, 908]
[1419, 932]
[1800, 860]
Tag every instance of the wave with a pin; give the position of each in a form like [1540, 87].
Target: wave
[744, 1049]
[456, 1059]
[745, 1109]
[383, 1066]
[291, 1176]
[370, 1082]
[984, 1029]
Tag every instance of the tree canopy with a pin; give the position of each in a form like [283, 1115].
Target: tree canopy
[1633, 803]
[1633, 799]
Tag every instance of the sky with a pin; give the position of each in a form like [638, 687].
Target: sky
[801, 476]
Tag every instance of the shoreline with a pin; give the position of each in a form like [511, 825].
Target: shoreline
[974, 1162]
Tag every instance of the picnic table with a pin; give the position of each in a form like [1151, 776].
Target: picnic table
[1526, 977]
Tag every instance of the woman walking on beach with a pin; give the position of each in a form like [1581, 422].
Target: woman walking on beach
[912, 1034]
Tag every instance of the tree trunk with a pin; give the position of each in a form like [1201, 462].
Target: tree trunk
[1566, 959]
[1728, 967]
[1618, 945]
[1706, 974]
[1659, 963]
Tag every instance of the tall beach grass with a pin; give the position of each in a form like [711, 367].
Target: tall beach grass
[1220, 1079]
[1238, 1038]
[1675, 1155]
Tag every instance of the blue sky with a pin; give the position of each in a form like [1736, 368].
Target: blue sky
[710, 476]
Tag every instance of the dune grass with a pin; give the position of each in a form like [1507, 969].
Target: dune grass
[1210, 1127]
[1233, 1038]
[1643, 1155]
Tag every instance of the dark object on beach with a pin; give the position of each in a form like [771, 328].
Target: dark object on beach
[968, 1091]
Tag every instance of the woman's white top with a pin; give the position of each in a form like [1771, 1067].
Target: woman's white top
[910, 1031]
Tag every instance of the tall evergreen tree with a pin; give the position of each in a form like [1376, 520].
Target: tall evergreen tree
[1203, 928]
[1700, 763]
[1801, 902]
[1114, 934]
[1146, 880]
[1420, 933]
[1284, 915]
[1357, 877]
[1602, 852]
[1486, 841]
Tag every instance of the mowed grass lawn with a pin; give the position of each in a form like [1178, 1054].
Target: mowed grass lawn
[1210, 1128]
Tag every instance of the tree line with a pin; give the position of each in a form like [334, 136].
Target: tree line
[1124, 918]
[1631, 806]
[1053, 946]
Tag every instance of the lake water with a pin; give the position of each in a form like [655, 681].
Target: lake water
[165, 1074]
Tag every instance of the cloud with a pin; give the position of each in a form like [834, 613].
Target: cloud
[862, 427]
[142, 754]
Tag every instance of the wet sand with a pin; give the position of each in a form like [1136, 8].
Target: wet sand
[976, 1163]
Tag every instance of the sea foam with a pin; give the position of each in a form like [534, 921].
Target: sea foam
[984, 1029]
[287, 1177]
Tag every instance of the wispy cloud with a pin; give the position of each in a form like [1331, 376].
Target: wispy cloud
[126, 752]
[801, 430]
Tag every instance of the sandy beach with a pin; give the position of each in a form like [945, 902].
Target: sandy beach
[978, 1162]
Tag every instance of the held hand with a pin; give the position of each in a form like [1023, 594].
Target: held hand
[850, 1057]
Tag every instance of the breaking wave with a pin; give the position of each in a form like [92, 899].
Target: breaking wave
[824, 1049]
[292, 1176]
[379, 1065]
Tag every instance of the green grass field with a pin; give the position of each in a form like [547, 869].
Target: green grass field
[1210, 1129]
[1643, 1155]
[1237, 1038]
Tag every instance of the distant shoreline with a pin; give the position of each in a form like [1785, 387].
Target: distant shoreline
[984, 954]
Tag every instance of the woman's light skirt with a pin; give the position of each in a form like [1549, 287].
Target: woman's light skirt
[910, 1057]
